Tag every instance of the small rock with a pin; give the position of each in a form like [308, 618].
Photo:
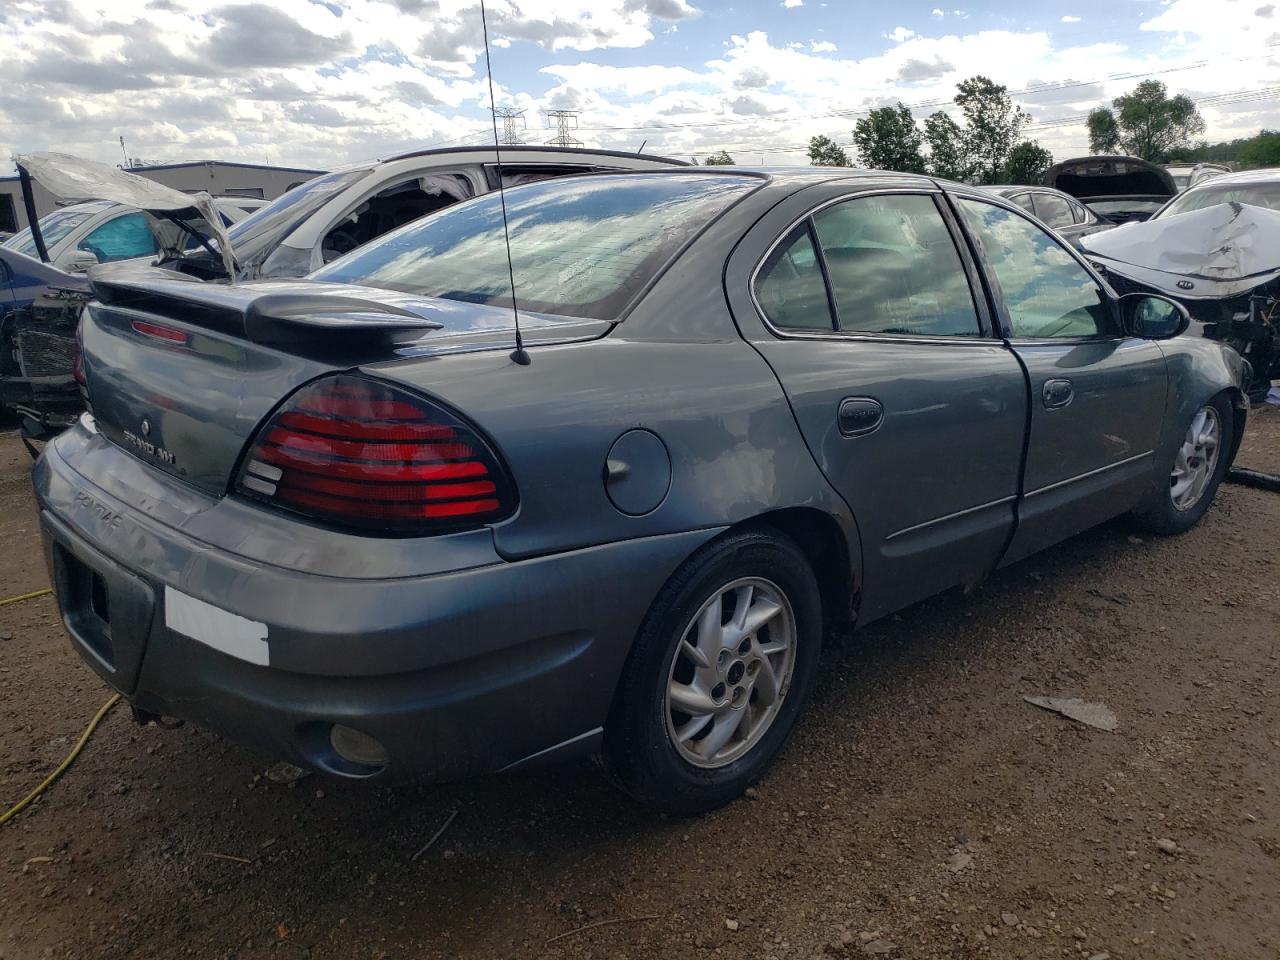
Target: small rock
[319, 794]
[731, 925]
[1101, 956]
[5, 635]
[752, 793]
[846, 938]
[960, 860]
[1165, 845]
[1078, 933]
[878, 948]
[1010, 919]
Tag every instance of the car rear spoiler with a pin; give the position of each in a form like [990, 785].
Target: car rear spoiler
[286, 315]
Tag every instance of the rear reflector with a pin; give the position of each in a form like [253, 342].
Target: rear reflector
[365, 454]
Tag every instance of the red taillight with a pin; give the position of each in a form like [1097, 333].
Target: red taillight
[369, 455]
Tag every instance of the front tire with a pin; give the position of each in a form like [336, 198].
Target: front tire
[718, 674]
[1192, 481]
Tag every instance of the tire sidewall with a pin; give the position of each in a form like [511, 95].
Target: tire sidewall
[1163, 516]
[637, 740]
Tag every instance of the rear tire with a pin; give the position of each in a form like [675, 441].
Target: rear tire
[1191, 481]
[734, 638]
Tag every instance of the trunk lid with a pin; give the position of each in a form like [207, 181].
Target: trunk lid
[1090, 178]
[181, 374]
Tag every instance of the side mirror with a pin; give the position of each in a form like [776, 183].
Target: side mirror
[1153, 317]
[80, 261]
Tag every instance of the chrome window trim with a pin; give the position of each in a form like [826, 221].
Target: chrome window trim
[840, 335]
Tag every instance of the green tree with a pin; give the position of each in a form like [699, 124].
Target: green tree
[993, 124]
[948, 150]
[1027, 163]
[887, 139]
[720, 158]
[1104, 132]
[825, 152]
[1148, 123]
[1262, 151]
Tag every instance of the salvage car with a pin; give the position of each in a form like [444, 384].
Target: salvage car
[333, 214]
[83, 235]
[1216, 249]
[1061, 211]
[444, 509]
[39, 309]
[1117, 188]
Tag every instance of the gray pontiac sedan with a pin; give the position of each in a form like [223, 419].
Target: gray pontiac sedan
[344, 520]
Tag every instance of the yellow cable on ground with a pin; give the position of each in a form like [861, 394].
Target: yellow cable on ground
[62, 767]
[26, 596]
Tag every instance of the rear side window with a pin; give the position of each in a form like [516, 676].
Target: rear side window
[121, 239]
[1024, 201]
[894, 268]
[580, 246]
[790, 288]
[1054, 210]
[1046, 291]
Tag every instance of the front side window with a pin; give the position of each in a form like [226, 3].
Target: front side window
[579, 246]
[123, 238]
[1054, 211]
[894, 268]
[53, 227]
[1046, 291]
[1024, 201]
[790, 288]
[1258, 194]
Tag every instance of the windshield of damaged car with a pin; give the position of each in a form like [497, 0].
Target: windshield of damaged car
[580, 246]
[259, 232]
[53, 228]
[1258, 194]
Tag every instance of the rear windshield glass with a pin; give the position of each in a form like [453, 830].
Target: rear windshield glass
[1258, 194]
[53, 227]
[260, 232]
[580, 247]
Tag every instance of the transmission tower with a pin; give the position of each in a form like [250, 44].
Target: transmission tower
[566, 120]
[510, 116]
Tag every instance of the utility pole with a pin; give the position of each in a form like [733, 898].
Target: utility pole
[509, 117]
[566, 120]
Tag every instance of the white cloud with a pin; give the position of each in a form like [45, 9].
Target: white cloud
[1068, 18]
[822, 46]
[939, 14]
[792, 3]
[900, 34]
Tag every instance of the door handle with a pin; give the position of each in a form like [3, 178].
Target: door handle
[859, 416]
[1057, 393]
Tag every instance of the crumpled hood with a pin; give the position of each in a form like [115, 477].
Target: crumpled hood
[74, 178]
[1223, 250]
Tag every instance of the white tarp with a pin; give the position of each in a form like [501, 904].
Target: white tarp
[73, 178]
[1226, 242]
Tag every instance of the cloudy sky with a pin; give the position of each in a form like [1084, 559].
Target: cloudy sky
[323, 82]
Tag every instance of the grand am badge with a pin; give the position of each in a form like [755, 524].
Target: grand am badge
[146, 446]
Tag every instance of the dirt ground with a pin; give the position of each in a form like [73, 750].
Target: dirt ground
[922, 809]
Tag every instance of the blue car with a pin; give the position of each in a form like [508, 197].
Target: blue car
[39, 310]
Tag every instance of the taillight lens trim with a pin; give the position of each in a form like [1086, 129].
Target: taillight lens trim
[359, 453]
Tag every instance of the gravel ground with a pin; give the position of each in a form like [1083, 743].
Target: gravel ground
[922, 809]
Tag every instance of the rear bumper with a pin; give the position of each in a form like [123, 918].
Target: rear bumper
[458, 673]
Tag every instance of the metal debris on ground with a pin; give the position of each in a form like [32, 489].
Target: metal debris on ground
[286, 773]
[1097, 715]
[435, 836]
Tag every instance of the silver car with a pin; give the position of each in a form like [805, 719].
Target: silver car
[83, 235]
[347, 520]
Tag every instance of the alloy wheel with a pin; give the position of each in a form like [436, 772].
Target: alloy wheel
[730, 672]
[1196, 460]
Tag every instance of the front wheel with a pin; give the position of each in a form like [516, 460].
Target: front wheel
[718, 674]
[1199, 464]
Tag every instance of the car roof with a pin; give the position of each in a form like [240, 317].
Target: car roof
[515, 151]
[1265, 175]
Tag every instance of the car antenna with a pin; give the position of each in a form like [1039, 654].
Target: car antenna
[519, 355]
